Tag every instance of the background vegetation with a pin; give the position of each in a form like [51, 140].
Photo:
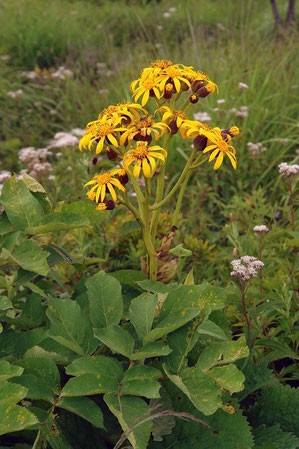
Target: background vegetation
[105, 44]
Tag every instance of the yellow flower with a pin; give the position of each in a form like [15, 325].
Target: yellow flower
[101, 131]
[125, 110]
[161, 63]
[148, 84]
[219, 147]
[142, 130]
[194, 130]
[103, 182]
[144, 158]
[175, 118]
[175, 115]
[174, 74]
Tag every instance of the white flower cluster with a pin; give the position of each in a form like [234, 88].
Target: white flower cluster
[246, 268]
[202, 117]
[4, 176]
[288, 170]
[64, 139]
[36, 161]
[256, 148]
[61, 73]
[261, 228]
[241, 113]
[169, 13]
[243, 85]
[15, 94]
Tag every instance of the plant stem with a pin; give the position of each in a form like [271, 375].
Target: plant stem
[260, 258]
[291, 203]
[180, 199]
[177, 185]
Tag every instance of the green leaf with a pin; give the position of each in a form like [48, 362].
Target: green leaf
[211, 329]
[141, 381]
[199, 388]
[41, 378]
[29, 256]
[222, 353]
[35, 386]
[228, 377]
[182, 305]
[21, 207]
[256, 377]
[278, 405]
[11, 393]
[231, 430]
[83, 208]
[164, 424]
[141, 313]
[5, 303]
[180, 251]
[58, 255]
[274, 435]
[189, 278]
[95, 375]
[58, 222]
[130, 411]
[32, 314]
[156, 287]
[70, 327]
[105, 300]
[90, 384]
[7, 370]
[85, 408]
[154, 349]
[5, 225]
[32, 184]
[181, 342]
[14, 418]
[44, 369]
[117, 339]
[96, 365]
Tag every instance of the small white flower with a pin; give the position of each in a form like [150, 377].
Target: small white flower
[15, 94]
[288, 170]
[243, 86]
[246, 268]
[261, 228]
[203, 117]
[221, 101]
[166, 14]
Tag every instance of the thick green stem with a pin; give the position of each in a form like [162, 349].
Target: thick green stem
[180, 199]
[177, 185]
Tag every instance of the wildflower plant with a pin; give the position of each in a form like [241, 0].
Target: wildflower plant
[137, 136]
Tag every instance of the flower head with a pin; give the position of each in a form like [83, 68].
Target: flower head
[261, 229]
[144, 158]
[174, 118]
[102, 184]
[288, 170]
[143, 129]
[246, 268]
[148, 84]
[100, 132]
[218, 148]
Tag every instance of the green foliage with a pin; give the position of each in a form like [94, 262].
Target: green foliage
[86, 355]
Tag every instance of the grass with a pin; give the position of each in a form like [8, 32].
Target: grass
[232, 41]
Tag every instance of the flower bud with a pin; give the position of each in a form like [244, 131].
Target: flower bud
[168, 91]
[123, 177]
[140, 138]
[193, 99]
[95, 161]
[111, 154]
[200, 142]
[184, 86]
[173, 127]
[196, 85]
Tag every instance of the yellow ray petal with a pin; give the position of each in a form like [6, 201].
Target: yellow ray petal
[112, 191]
[218, 161]
[136, 170]
[146, 168]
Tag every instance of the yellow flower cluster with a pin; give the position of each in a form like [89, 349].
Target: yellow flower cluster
[126, 130]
